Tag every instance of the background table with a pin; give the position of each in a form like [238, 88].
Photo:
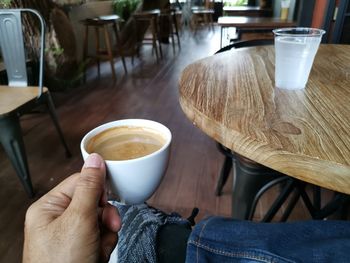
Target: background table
[261, 24]
[247, 11]
[304, 134]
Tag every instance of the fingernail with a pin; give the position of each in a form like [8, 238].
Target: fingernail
[93, 161]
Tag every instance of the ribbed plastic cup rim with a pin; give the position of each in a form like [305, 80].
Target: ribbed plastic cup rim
[299, 32]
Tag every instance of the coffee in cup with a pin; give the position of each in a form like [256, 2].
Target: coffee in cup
[125, 143]
[136, 153]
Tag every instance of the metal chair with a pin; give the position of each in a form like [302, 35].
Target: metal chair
[17, 98]
[246, 43]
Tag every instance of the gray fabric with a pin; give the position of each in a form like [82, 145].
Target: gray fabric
[138, 235]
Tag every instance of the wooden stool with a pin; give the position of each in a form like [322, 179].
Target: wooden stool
[202, 15]
[173, 26]
[97, 24]
[150, 17]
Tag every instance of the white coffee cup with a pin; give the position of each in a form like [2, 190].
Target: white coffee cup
[134, 180]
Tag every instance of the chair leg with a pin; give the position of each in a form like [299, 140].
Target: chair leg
[156, 23]
[109, 51]
[280, 200]
[12, 141]
[195, 23]
[154, 37]
[172, 40]
[266, 187]
[119, 48]
[52, 111]
[176, 31]
[97, 46]
[211, 22]
[85, 49]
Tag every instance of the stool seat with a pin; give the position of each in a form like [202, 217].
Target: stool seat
[101, 20]
[110, 18]
[203, 11]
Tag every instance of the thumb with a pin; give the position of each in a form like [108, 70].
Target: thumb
[90, 185]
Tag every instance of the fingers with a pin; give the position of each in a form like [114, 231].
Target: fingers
[110, 218]
[90, 185]
[111, 223]
[52, 204]
[108, 242]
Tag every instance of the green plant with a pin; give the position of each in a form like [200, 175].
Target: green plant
[235, 2]
[56, 51]
[5, 3]
[61, 84]
[124, 8]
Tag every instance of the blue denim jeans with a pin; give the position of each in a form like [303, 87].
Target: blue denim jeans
[223, 240]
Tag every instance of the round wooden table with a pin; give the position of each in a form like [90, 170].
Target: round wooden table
[304, 134]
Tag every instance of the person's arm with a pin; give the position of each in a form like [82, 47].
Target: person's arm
[73, 222]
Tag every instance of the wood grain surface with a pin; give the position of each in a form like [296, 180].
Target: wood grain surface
[14, 97]
[305, 134]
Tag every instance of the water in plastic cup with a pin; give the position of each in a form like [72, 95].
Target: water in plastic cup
[295, 50]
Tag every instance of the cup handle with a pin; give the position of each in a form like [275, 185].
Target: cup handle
[111, 193]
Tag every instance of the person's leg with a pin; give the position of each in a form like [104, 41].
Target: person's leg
[225, 240]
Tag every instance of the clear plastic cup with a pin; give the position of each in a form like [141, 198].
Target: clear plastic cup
[295, 50]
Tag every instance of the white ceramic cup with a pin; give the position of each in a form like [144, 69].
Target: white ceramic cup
[134, 180]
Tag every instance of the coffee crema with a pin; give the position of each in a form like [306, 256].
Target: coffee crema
[125, 142]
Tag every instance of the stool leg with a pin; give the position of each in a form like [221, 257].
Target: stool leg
[193, 23]
[154, 37]
[136, 45]
[12, 141]
[176, 30]
[116, 32]
[109, 51]
[97, 44]
[85, 51]
[172, 33]
[156, 23]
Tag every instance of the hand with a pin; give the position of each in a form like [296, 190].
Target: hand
[73, 222]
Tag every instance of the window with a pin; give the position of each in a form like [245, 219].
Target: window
[235, 2]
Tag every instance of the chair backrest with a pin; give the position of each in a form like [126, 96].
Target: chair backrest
[12, 47]
[247, 43]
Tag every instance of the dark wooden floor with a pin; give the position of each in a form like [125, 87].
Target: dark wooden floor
[148, 91]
